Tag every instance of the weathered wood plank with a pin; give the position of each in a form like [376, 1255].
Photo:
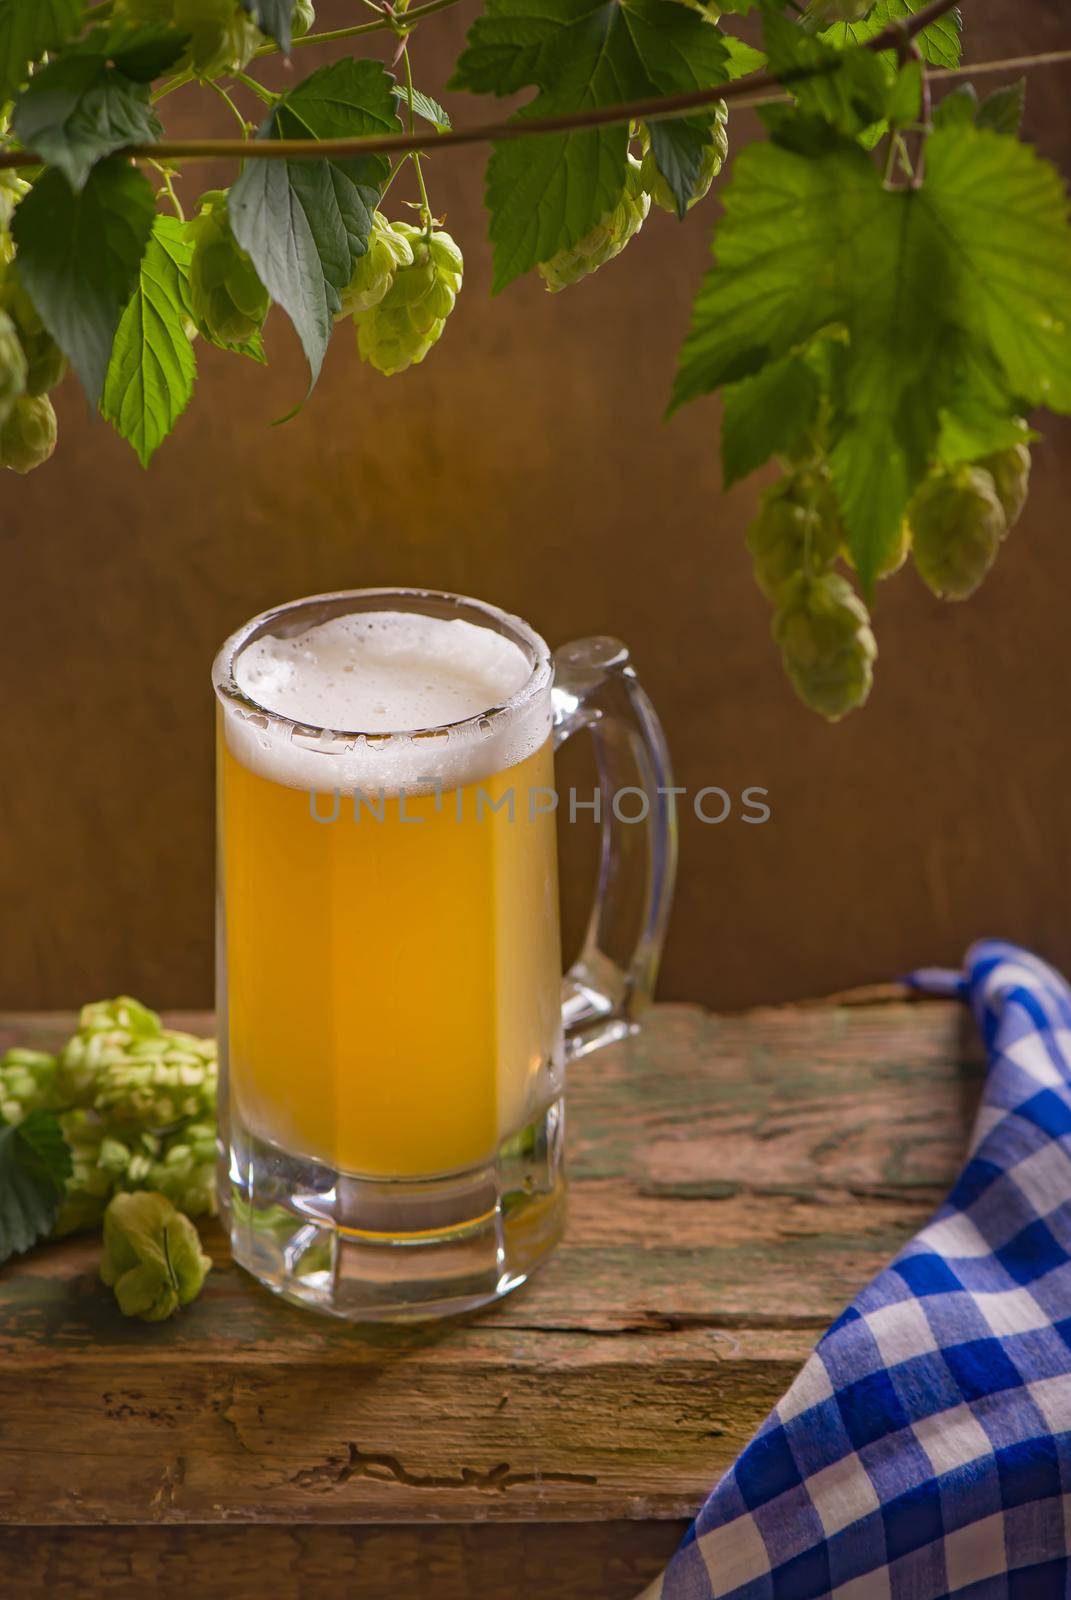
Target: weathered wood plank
[612, 1561]
[735, 1180]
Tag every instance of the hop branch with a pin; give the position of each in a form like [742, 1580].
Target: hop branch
[856, 320]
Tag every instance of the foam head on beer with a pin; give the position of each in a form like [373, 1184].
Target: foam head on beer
[388, 672]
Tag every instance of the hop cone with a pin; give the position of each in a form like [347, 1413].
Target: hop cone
[107, 1160]
[957, 523]
[222, 36]
[713, 159]
[45, 361]
[826, 644]
[302, 19]
[12, 189]
[27, 1083]
[388, 249]
[13, 368]
[605, 241]
[185, 1170]
[797, 529]
[28, 434]
[1010, 472]
[92, 1179]
[124, 1065]
[228, 299]
[399, 331]
[152, 1256]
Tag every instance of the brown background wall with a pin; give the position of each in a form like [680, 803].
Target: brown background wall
[525, 462]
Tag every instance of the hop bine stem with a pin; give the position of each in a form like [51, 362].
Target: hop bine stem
[658, 106]
[358, 28]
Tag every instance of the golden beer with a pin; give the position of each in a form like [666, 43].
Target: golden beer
[394, 966]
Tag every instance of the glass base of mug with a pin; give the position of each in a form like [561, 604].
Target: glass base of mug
[398, 1250]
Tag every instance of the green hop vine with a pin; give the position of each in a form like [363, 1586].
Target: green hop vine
[858, 320]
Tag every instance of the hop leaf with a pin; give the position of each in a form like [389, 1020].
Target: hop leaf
[28, 434]
[711, 162]
[34, 1167]
[797, 530]
[399, 331]
[388, 249]
[1010, 472]
[605, 241]
[957, 523]
[228, 299]
[222, 36]
[828, 11]
[152, 1256]
[45, 361]
[826, 642]
[13, 369]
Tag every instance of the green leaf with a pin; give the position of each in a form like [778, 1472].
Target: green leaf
[141, 53]
[28, 29]
[766, 414]
[978, 415]
[1003, 213]
[306, 223]
[976, 260]
[544, 194]
[850, 87]
[786, 259]
[547, 192]
[34, 1166]
[959, 106]
[94, 99]
[743, 58]
[1002, 111]
[939, 43]
[677, 144]
[152, 370]
[79, 256]
[425, 107]
[252, 348]
[905, 98]
[513, 44]
[273, 17]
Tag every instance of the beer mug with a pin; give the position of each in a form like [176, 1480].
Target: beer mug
[393, 1022]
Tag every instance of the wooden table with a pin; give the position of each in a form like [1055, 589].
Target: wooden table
[735, 1180]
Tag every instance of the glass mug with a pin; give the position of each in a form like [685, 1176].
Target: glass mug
[393, 1021]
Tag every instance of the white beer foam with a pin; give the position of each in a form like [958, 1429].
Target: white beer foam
[379, 673]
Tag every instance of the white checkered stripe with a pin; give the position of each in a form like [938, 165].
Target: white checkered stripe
[924, 1451]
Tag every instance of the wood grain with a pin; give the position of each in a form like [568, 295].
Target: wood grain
[734, 1181]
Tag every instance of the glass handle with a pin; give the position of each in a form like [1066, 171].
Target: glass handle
[614, 976]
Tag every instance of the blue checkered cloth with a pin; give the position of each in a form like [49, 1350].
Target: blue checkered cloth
[925, 1448]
